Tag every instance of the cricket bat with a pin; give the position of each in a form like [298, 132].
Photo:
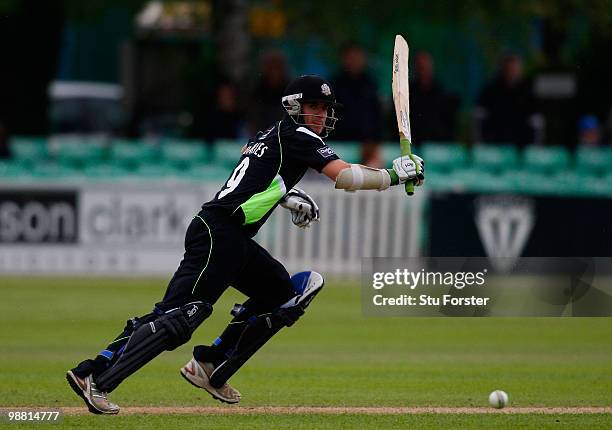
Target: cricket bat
[400, 99]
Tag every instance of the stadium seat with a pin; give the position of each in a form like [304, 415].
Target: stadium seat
[444, 156]
[443, 181]
[348, 151]
[594, 159]
[28, 150]
[53, 170]
[106, 171]
[546, 159]
[495, 157]
[227, 152]
[572, 182]
[481, 181]
[12, 170]
[495, 184]
[608, 183]
[212, 172]
[132, 153]
[391, 150]
[184, 153]
[597, 186]
[528, 181]
[158, 170]
[77, 152]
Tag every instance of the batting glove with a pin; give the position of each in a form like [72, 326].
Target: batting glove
[303, 208]
[410, 168]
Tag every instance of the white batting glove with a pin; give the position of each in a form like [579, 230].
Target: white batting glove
[303, 208]
[406, 169]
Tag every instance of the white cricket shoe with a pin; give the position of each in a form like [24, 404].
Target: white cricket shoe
[96, 400]
[197, 373]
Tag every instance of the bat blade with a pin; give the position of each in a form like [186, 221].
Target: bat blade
[400, 86]
[401, 98]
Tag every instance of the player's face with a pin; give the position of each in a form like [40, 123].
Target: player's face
[315, 115]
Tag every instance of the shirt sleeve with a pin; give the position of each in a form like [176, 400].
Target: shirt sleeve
[310, 150]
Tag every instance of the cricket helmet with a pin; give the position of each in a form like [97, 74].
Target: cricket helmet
[310, 89]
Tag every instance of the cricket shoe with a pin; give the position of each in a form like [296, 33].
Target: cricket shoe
[96, 400]
[198, 373]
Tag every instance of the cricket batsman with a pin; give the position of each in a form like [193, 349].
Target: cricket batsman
[220, 252]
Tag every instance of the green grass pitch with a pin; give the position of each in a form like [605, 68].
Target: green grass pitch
[333, 356]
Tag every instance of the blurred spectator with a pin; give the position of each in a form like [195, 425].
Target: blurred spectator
[223, 118]
[506, 105]
[589, 133]
[265, 105]
[433, 110]
[360, 118]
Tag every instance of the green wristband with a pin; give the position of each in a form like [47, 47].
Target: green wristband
[394, 177]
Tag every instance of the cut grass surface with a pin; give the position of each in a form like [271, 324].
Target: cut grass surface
[335, 422]
[332, 356]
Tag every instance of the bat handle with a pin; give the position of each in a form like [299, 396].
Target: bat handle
[409, 188]
[406, 150]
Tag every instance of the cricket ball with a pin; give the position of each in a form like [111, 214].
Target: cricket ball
[498, 399]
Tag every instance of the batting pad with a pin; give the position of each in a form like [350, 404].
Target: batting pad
[261, 328]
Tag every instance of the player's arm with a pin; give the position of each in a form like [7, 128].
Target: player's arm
[353, 177]
[333, 168]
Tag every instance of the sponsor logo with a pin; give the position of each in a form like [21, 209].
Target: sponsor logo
[504, 224]
[326, 151]
[191, 312]
[325, 90]
[38, 217]
[135, 217]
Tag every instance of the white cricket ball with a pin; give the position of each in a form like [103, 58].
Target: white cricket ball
[498, 399]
